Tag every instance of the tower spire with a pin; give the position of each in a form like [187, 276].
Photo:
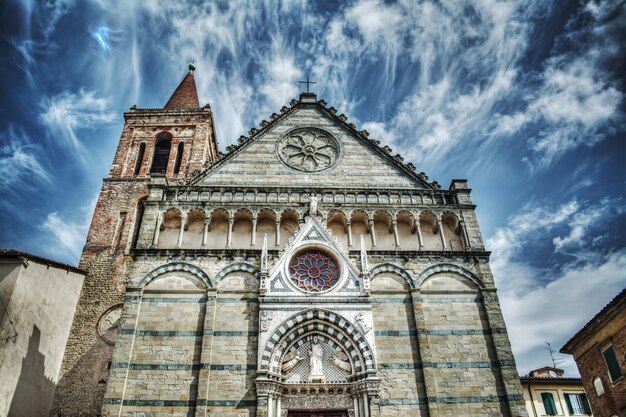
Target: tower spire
[186, 95]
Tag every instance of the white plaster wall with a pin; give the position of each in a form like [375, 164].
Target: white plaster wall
[43, 297]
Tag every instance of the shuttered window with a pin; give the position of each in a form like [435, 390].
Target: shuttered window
[577, 404]
[611, 363]
[548, 403]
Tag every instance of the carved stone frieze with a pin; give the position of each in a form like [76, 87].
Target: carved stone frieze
[322, 402]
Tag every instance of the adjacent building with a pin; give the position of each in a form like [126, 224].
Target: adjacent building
[38, 299]
[599, 350]
[548, 392]
[308, 271]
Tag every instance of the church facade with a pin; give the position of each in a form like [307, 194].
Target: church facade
[307, 272]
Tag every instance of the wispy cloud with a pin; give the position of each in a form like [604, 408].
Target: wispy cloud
[555, 293]
[67, 113]
[23, 164]
[66, 233]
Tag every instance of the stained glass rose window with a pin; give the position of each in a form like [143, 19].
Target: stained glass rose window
[314, 271]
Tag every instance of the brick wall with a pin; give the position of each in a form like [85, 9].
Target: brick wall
[85, 369]
[591, 365]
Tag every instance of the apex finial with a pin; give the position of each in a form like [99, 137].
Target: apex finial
[307, 82]
[191, 66]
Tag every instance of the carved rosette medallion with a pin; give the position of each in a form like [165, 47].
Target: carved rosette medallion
[309, 150]
[109, 323]
[314, 271]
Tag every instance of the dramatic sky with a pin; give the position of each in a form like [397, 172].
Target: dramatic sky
[524, 98]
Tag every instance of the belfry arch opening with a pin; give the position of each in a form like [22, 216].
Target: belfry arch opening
[162, 147]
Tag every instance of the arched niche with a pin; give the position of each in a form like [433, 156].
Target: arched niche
[194, 229]
[288, 225]
[430, 231]
[218, 229]
[452, 231]
[170, 229]
[336, 223]
[383, 230]
[242, 229]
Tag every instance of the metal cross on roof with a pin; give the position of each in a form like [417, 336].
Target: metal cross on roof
[193, 61]
[307, 82]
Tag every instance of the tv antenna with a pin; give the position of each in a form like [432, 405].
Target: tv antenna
[555, 360]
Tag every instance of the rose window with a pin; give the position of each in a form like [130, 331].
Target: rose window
[309, 150]
[314, 271]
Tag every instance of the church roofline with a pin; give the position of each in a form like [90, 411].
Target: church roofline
[310, 99]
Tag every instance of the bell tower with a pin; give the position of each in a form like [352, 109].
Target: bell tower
[175, 142]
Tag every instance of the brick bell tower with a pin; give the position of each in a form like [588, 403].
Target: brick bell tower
[175, 142]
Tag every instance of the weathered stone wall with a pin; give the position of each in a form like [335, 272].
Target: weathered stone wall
[358, 166]
[400, 366]
[435, 345]
[431, 329]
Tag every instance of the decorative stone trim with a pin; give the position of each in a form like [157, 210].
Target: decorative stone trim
[238, 266]
[176, 266]
[325, 323]
[387, 267]
[447, 267]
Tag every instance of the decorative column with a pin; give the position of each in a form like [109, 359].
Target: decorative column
[277, 233]
[418, 232]
[205, 231]
[270, 406]
[229, 236]
[439, 227]
[278, 406]
[264, 267]
[349, 230]
[366, 405]
[181, 232]
[464, 234]
[396, 238]
[157, 231]
[253, 237]
[372, 232]
[355, 398]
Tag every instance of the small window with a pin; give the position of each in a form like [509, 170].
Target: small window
[179, 157]
[142, 150]
[577, 404]
[610, 358]
[548, 403]
[597, 386]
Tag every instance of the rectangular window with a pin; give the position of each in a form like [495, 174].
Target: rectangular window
[611, 363]
[548, 403]
[577, 404]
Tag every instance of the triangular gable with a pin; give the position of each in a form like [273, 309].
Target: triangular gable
[361, 163]
[313, 234]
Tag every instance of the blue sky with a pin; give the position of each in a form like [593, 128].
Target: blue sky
[524, 98]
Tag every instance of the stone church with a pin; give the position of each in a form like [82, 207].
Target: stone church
[306, 272]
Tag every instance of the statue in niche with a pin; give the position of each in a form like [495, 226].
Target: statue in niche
[292, 359]
[316, 355]
[313, 205]
[340, 360]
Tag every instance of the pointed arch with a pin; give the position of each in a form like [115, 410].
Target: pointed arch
[176, 266]
[449, 268]
[330, 326]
